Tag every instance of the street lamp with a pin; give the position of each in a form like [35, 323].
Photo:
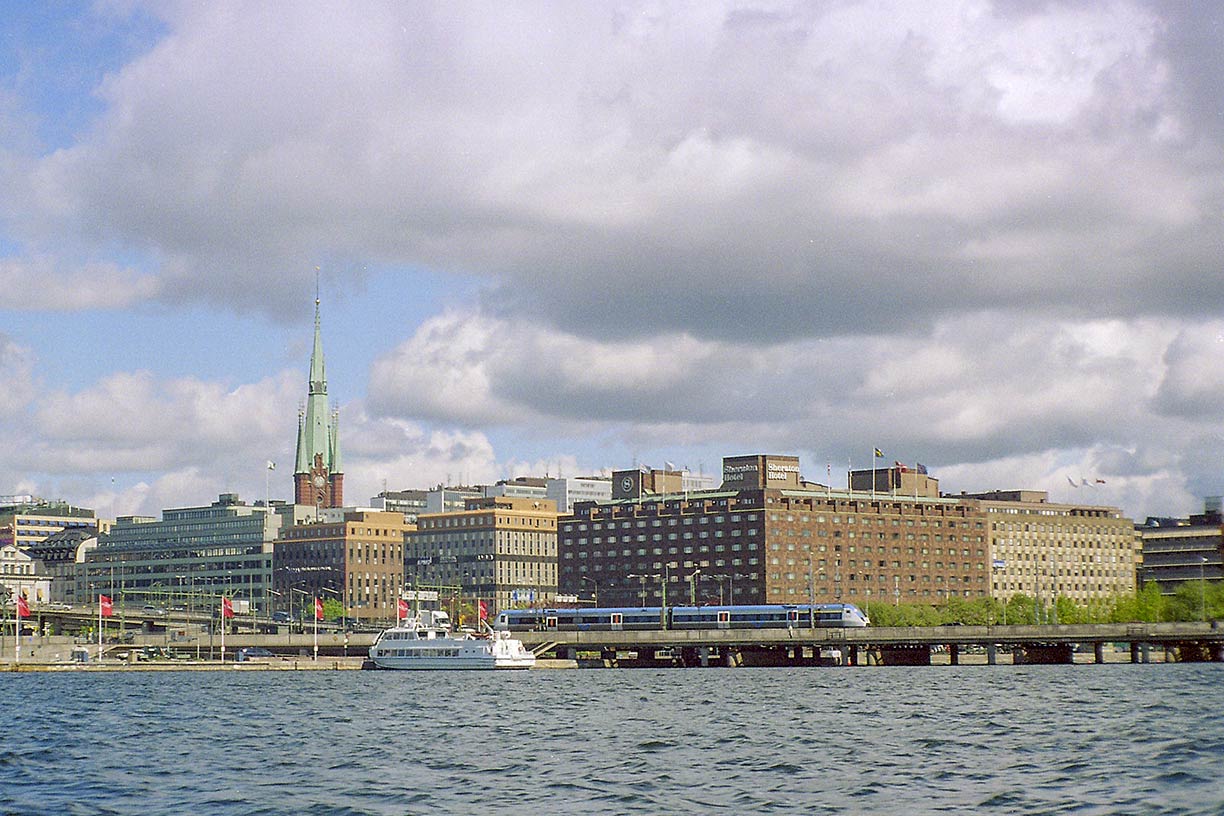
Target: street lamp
[316, 617]
[692, 579]
[595, 591]
[343, 624]
[1202, 589]
[642, 579]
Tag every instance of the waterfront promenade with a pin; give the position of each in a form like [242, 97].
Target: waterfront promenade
[913, 646]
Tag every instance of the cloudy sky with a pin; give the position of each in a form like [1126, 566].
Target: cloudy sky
[561, 237]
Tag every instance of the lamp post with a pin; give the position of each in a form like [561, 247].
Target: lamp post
[642, 580]
[307, 594]
[693, 587]
[343, 626]
[594, 591]
[666, 578]
[1202, 588]
[719, 579]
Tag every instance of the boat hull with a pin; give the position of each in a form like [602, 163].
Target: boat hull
[449, 663]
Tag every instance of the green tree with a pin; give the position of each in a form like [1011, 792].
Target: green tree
[332, 609]
[1145, 606]
[1069, 611]
[1019, 610]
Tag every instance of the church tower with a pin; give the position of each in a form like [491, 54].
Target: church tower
[318, 477]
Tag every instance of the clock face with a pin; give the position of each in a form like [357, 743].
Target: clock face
[319, 481]
[627, 483]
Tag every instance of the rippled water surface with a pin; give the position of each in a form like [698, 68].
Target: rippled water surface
[1041, 739]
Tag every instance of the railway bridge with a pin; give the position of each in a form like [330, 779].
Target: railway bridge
[879, 645]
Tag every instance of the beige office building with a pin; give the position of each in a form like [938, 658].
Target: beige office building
[500, 548]
[1046, 550]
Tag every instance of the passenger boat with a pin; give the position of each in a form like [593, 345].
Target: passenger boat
[426, 642]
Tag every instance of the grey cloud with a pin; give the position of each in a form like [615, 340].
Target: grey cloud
[631, 170]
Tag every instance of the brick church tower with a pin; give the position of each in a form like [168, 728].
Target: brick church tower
[318, 477]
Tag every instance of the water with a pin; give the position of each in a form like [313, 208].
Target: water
[1034, 740]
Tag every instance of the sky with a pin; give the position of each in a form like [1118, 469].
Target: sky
[562, 238]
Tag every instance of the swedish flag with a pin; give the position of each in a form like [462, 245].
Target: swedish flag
[879, 453]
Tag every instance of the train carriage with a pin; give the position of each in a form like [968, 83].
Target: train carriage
[764, 616]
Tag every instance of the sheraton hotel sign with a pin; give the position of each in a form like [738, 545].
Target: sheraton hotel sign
[760, 471]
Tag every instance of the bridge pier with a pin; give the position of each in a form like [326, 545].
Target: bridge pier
[919, 655]
[852, 655]
[1098, 653]
[992, 654]
[1043, 654]
[953, 654]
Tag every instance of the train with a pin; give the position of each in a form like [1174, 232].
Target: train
[765, 616]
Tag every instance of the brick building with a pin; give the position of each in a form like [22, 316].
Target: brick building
[354, 556]
[768, 536]
[500, 548]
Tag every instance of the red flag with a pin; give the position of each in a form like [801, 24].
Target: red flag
[482, 611]
[318, 609]
[401, 609]
[227, 608]
[23, 607]
[105, 605]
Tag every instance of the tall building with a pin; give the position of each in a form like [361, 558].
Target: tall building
[409, 502]
[1178, 550]
[566, 491]
[520, 487]
[61, 555]
[26, 523]
[769, 536]
[26, 520]
[1046, 550]
[222, 549]
[356, 556]
[444, 499]
[318, 476]
[501, 549]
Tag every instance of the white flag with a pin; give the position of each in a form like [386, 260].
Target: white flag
[271, 465]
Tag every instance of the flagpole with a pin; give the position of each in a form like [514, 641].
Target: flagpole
[99, 627]
[316, 630]
[873, 472]
[222, 630]
[17, 629]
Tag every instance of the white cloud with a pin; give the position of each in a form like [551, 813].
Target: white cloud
[47, 284]
[17, 374]
[985, 395]
[605, 164]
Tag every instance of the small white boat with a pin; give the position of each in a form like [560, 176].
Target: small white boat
[426, 642]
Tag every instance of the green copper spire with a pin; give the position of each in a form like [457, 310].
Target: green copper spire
[317, 425]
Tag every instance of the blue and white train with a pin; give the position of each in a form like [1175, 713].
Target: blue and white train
[767, 616]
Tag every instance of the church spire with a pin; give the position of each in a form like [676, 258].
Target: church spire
[317, 476]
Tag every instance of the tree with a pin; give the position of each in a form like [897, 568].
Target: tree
[1145, 606]
[332, 609]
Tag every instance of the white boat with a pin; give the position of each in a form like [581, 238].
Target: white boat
[426, 642]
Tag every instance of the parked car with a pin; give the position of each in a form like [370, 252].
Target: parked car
[249, 654]
[154, 610]
[281, 617]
